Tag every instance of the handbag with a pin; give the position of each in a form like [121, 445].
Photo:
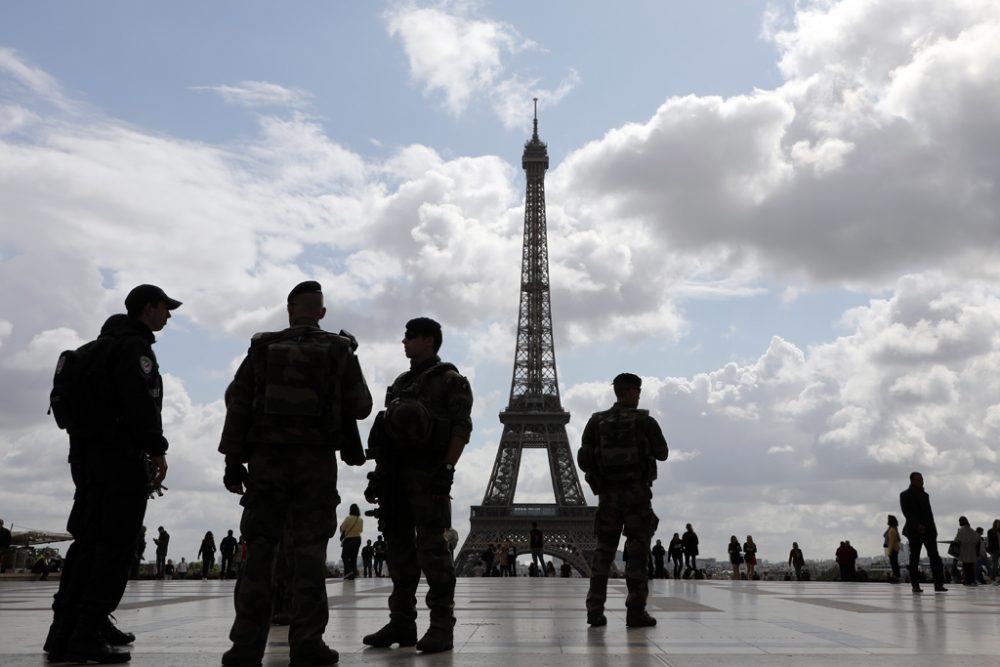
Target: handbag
[953, 549]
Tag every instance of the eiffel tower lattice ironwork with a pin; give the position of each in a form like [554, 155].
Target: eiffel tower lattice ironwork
[534, 418]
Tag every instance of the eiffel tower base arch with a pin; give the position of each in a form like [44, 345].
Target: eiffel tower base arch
[569, 533]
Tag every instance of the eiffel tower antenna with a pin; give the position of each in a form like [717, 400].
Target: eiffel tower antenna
[534, 418]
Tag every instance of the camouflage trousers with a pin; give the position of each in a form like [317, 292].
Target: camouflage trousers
[415, 542]
[625, 509]
[291, 487]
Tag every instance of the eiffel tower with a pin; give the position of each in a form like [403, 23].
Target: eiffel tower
[534, 418]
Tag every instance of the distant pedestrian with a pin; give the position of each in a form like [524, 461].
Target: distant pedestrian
[168, 570]
[550, 569]
[843, 556]
[350, 541]
[182, 569]
[891, 543]
[536, 542]
[451, 539]
[378, 553]
[162, 542]
[367, 553]
[206, 552]
[659, 554]
[489, 554]
[993, 549]
[982, 557]
[227, 549]
[796, 560]
[240, 557]
[735, 556]
[968, 550]
[676, 552]
[921, 531]
[5, 542]
[750, 556]
[690, 542]
[504, 555]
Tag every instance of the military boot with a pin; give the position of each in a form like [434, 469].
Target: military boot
[392, 633]
[596, 618]
[597, 594]
[639, 619]
[436, 640]
[241, 657]
[58, 637]
[312, 654]
[86, 644]
[113, 635]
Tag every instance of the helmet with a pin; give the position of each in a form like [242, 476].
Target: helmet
[408, 422]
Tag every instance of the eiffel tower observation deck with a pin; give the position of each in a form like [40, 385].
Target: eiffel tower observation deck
[534, 418]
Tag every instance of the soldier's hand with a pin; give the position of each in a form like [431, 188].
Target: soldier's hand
[157, 470]
[442, 480]
[235, 477]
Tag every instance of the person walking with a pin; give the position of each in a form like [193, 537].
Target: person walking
[428, 420]
[993, 549]
[921, 532]
[735, 556]
[536, 543]
[892, 543]
[117, 456]
[378, 553]
[618, 455]
[366, 559]
[750, 556]
[182, 569]
[659, 554]
[206, 552]
[676, 552]
[796, 560]
[294, 402]
[350, 541]
[227, 550]
[690, 543]
[968, 550]
[162, 542]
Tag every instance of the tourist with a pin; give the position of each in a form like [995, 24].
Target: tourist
[690, 542]
[207, 554]
[350, 541]
[735, 556]
[796, 560]
[676, 552]
[968, 550]
[750, 556]
[921, 532]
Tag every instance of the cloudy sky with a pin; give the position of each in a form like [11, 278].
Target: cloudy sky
[782, 215]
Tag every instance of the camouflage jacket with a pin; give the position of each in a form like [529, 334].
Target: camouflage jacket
[294, 386]
[446, 395]
[655, 445]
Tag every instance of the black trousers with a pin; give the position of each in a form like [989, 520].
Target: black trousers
[937, 567]
[349, 554]
[678, 568]
[108, 509]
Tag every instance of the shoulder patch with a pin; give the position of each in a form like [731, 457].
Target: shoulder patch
[146, 365]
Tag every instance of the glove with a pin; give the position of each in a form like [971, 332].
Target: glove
[442, 480]
[235, 477]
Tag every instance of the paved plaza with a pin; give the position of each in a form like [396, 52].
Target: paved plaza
[541, 622]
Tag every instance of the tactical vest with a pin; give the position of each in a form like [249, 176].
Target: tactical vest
[409, 420]
[297, 387]
[622, 453]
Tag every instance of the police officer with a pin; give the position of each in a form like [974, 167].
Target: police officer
[294, 401]
[618, 456]
[428, 423]
[114, 467]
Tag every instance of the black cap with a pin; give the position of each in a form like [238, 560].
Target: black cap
[627, 380]
[308, 287]
[144, 294]
[423, 326]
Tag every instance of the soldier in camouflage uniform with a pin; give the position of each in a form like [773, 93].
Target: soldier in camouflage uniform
[618, 456]
[293, 402]
[427, 424]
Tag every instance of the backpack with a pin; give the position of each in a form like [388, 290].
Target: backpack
[81, 387]
[622, 452]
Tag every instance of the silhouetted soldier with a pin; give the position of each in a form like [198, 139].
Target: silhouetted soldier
[114, 465]
[292, 404]
[428, 422]
[920, 531]
[618, 456]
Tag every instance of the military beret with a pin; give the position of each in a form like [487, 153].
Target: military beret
[627, 380]
[144, 294]
[423, 326]
[308, 287]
